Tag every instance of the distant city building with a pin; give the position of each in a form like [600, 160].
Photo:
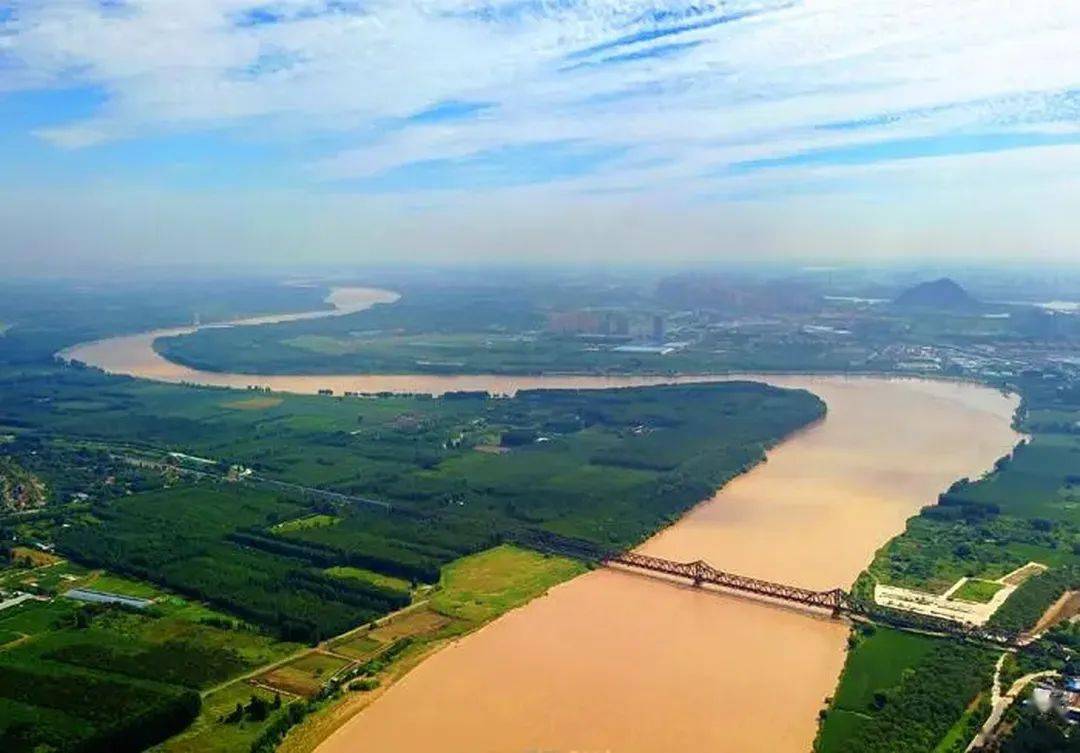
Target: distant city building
[574, 322]
[613, 324]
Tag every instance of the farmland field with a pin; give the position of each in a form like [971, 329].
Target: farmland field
[98, 683]
[149, 663]
[304, 676]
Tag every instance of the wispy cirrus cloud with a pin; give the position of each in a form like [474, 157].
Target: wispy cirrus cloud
[675, 95]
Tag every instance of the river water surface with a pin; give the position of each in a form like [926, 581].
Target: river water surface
[621, 663]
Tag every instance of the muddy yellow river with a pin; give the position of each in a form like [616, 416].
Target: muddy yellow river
[621, 663]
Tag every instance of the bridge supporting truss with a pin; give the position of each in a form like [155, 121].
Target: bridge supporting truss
[837, 600]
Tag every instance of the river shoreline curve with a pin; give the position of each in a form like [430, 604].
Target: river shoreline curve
[610, 661]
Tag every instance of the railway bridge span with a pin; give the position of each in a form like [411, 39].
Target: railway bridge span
[837, 601]
[699, 572]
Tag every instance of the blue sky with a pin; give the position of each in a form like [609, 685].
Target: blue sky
[543, 117]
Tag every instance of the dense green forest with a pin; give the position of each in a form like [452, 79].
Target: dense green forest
[606, 467]
[460, 473]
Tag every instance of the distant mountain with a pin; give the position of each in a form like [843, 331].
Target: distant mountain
[939, 294]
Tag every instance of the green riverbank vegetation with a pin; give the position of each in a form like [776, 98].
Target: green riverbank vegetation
[1027, 509]
[257, 567]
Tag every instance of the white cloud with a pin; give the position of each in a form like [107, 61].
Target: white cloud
[757, 87]
[169, 63]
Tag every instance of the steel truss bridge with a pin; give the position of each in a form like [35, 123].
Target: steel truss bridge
[836, 600]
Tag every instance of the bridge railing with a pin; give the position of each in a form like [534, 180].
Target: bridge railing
[836, 600]
[702, 572]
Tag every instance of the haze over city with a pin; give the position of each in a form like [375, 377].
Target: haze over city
[297, 131]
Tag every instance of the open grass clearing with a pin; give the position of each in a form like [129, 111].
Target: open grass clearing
[977, 591]
[115, 584]
[368, 576]
[306, 522]
[484, 585]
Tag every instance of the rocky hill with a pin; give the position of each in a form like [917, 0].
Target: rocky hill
[938, 294]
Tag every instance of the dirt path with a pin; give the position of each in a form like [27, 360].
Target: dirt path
[259, 670]
[322, 648]
[1062, 609]
[1001, 703]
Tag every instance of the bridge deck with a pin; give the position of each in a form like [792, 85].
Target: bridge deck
[835, 600]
